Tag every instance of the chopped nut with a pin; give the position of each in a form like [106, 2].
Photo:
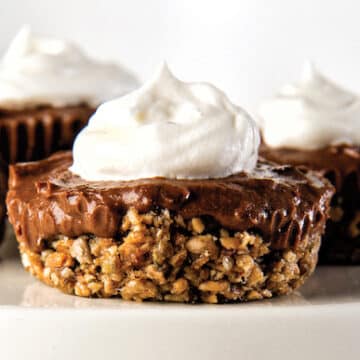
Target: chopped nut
[179, 286]
[95, 287]
[197, 225]
[82, 290]
[277, 278]
[163, 249]
[230, 243]
[66, 273]
[266, 293]
[139, 290]
[80, 251]
[178, 259]
[25, 259]
[154, 274]
[133, 217]
[245, 263]
[55, 279]
[58, 259]
[214, 286]
[255, 277]
[110, 264]
[202, 244]
[45, 254]
[254, 295]
[246, 238]
[109, 286]
[227, 263]
[290, 256]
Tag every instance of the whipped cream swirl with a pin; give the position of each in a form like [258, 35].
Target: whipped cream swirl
[311, 114]
[167, 128]
[45, 71]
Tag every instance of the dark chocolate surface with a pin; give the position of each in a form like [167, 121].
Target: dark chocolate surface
[282, 203]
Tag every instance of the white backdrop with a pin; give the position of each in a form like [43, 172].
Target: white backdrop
[246, 47]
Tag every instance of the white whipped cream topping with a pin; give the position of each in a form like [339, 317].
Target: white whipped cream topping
[45, 71]
[311, 114]
[167, 128]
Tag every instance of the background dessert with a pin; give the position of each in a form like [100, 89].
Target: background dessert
[48, 91]
[315, 123]
[165, 209]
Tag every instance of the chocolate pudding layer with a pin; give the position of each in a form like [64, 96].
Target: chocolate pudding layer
[341, 165]
[33, 134]
[244, 237]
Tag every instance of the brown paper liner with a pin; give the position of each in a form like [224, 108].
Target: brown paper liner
[36, 133]
[33, 134]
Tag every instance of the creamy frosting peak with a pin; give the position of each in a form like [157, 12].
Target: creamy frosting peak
[167, 128]
[311, 114]
[38, 70]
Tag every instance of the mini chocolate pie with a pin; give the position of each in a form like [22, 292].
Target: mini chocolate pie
[315, 123]
[341, 165]
[244, 237]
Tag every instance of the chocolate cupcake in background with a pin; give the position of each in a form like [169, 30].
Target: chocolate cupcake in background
[316, 124]
[164, 199]
[48, 90]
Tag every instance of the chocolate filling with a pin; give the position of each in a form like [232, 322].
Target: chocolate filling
[281, 203]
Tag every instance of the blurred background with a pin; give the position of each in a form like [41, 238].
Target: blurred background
[249, 48]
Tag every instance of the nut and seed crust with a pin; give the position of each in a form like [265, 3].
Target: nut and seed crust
[162, 257]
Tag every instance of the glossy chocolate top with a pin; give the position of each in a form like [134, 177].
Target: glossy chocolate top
[283, 204]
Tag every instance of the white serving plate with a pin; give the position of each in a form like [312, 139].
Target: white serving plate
[321, 321]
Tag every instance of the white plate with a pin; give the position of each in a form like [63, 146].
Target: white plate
[321, 321]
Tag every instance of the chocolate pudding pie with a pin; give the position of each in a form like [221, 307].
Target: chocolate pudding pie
[48, 91]
[163, 199]
[316, 124]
